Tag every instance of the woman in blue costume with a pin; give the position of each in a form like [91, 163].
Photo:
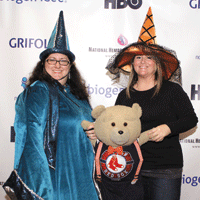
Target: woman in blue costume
[53, 156]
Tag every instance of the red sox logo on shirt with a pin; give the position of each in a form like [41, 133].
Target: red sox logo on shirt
[116, 165]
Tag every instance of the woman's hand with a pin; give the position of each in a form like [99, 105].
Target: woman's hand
[158, 133]
[90, 132]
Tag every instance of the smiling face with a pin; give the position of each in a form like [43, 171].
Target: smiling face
[144, 66]
[55, 69]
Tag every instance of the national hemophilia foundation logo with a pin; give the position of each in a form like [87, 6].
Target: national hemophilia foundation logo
[193, 142]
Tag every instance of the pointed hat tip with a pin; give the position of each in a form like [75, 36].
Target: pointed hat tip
[148, 33]
[58, 42]
[149, 9]
[61, 14]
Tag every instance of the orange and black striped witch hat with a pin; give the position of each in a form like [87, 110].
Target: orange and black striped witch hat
[146, 45]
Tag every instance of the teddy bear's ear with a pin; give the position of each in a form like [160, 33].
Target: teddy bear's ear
[137, 109]
[96, 112]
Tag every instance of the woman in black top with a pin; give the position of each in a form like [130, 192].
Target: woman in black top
[166, 114]
[166, 109]
[155, 84]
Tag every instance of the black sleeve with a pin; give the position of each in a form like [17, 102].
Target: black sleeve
[120, 97]
[186, 116]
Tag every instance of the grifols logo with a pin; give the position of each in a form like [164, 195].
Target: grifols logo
[120, 4]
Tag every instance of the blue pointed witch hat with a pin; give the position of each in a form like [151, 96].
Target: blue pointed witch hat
[58, 42]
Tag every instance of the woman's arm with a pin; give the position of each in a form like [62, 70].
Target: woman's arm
[186, 117]
[182, 106]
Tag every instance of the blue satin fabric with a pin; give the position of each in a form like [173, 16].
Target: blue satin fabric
[72, 177]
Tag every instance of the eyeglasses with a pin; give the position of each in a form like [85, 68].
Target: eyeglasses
[51, 61]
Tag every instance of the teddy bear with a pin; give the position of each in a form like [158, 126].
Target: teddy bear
[118, 158]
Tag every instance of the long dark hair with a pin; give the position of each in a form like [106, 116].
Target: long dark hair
[76, 82]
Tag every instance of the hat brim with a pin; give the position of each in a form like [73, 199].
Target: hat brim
[68, 53]
[123, 60]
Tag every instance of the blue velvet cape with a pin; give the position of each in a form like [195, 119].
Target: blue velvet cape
[71, 179]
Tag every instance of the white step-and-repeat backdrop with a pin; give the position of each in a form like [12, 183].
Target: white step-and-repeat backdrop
[96, 30]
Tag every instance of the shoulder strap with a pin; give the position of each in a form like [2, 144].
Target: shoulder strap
[137, 146]
[97, 160]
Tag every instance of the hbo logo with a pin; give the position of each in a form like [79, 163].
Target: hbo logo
[119, 4]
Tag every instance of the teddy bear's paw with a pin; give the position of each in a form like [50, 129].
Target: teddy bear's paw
[85, 124]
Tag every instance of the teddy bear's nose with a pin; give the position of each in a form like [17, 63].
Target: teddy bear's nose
[120, 132]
